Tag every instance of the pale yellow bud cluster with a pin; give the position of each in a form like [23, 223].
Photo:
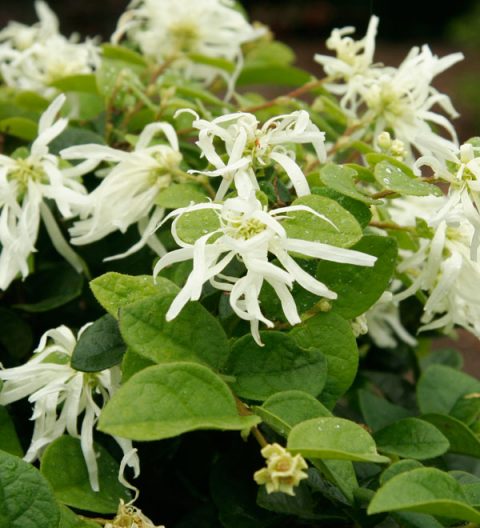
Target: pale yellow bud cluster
[129, 516]
[283, 472]
[394, 147]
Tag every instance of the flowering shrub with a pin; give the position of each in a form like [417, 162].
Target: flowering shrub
[221, 309]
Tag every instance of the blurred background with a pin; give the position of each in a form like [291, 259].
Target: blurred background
[305, 24]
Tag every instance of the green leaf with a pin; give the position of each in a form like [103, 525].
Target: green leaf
[100, 346]
[51, 288]
[440, 388]
[398, 467]
[344, 232]
[64, 467]
[392, 178]
[70, 520]
[379, 412]
[332, 335]
[111, 51]
[167, 400]
[416, 520]
[411, 438]
[20, 127]
[424, 490]
[342, 179]
[191, 226]
[196, 92]
[270, 52]
[194, 335]
[72, 136]
[333, 438]
[114, 290]
[359, 210]
[462, 439]
[472, 491]
[133, 363]
[27, 500]
[9, 441]
[277, 366]
[31, 101]
[219, 63]
[180, 195]
[275, 74]
[373, 158]
[341, 473]
[359, 287]
[113, 74]
[77, 83]
[284, 410]
[448, 357]
[15, 334]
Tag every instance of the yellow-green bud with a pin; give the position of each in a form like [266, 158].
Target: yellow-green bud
[384, 141]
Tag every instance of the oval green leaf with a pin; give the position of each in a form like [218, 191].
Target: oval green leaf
[411, 438]
[333, 336]
[424, 490]
[342, 179]
[194, 335]
[64, 467]
[441, 387]
[27, 500]
[393, 178]
[334, 438]
[281, 364]
[359, 287]
[284, 410]
[344, 232]
[115, 290]
[167, 400]
[463, 440]
[100, 346]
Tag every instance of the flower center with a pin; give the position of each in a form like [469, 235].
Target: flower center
[167, 166]
[249, 228]
[24, 172]
[185, 35]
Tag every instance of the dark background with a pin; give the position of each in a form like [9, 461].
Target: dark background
[401, 20]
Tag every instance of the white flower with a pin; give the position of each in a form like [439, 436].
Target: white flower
[20, 36]
[63, 397]
[168, 29]
[384, 325]
[31, 58]
[442, 267]
[250, 234]
[401, 99]
[127, 193]
[461, 169]
[353, 61]
[24, 185]
[250, 147]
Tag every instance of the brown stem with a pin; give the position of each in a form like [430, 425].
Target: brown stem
[243, 410]
[390, 225]
[290, 95]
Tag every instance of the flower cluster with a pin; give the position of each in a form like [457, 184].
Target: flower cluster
[382, 98]
[34, 57]
[177, 31]
[26, 181]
